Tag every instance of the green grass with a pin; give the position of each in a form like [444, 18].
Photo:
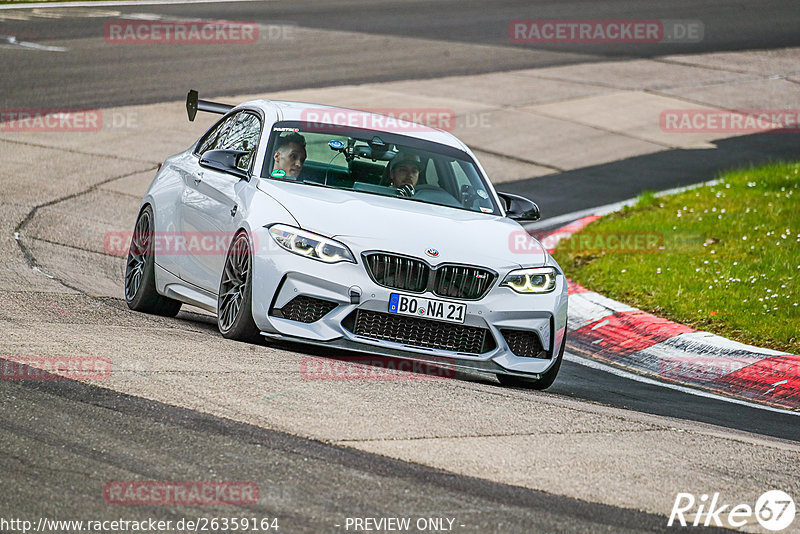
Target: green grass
[723, 258]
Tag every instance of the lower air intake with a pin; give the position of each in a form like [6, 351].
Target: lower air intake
[305, 309]
[524, 343]
[420, 332]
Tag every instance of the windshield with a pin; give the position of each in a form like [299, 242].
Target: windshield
[377, 163]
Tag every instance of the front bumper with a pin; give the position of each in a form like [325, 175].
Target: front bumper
[280, 276]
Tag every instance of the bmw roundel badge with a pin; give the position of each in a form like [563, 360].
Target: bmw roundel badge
[432, 252]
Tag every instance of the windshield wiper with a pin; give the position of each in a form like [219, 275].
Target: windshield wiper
[309, 182]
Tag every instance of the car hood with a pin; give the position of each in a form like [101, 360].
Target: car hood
[374, 222]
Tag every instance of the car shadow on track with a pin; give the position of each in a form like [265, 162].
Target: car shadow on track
[342, 364]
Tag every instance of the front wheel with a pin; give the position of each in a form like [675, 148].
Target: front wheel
[546, 379]
[140, 277]
[235, 301]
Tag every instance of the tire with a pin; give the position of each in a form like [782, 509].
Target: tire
[544, 382]
[140, 277]
[235, 300]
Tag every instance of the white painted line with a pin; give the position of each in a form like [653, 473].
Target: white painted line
[11, 40]
[608, 208]
[575, 215]
[574, 358]
[117, 3]
[600, 324]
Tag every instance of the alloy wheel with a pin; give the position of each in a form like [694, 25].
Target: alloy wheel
[140, 247]
[234, 282]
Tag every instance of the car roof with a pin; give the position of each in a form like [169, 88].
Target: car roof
[300, 111]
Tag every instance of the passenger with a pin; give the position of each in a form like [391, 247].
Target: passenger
[289, 156]
[404, 172]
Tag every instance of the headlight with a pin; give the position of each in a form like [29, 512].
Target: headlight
[535, 280]
[310, 245]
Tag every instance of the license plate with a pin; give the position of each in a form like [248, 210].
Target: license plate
[440, 310]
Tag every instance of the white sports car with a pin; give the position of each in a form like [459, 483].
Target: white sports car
[349, 229]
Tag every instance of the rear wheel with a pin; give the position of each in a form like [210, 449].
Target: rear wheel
[140, 277]
[235, 301]
[544, 382]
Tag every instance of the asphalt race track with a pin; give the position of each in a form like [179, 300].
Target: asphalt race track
[398, 41]
[345, 483]
[189, 406]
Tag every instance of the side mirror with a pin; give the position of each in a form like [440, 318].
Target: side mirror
[225, 161]
[520, 208]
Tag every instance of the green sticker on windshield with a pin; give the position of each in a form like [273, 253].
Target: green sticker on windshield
[278, 173]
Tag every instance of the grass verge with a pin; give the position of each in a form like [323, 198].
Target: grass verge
[723, 258]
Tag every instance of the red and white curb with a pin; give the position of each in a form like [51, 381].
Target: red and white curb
[616, 333]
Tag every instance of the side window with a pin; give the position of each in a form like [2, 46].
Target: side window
[212, 139]
[243, 134]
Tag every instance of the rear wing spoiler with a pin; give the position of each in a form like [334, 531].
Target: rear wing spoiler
[194, 104]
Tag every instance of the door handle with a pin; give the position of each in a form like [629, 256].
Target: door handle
[234, 209]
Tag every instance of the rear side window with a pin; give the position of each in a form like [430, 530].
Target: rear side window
[214, 136]
[243, 134]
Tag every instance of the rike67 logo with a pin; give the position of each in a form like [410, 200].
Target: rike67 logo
[774, 510]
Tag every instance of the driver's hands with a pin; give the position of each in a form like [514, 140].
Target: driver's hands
[406, 190]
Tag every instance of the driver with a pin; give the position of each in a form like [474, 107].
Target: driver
[289, 156]
[404, 172]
